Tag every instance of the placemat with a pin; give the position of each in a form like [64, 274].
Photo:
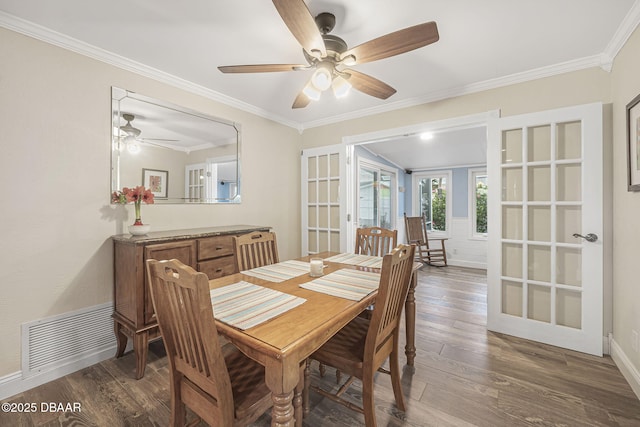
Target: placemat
[245, 305]
[279, 272]
[346, 283]
[357, 259]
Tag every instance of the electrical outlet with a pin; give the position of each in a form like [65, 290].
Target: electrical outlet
[634, 340]
[455, 251]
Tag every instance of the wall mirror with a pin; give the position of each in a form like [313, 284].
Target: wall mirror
[183, 155]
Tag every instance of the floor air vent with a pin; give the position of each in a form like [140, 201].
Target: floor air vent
[57, 341]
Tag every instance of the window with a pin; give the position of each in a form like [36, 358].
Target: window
[431, 199]
[478, 203]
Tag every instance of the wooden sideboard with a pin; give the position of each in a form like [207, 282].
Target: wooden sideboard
[209, 250]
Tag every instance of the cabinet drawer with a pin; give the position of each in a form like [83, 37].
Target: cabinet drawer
[218, 267]
[183, 251]
[215, 247]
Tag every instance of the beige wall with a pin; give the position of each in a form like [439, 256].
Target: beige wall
[625, 78]
[56, 219]
[591, 85]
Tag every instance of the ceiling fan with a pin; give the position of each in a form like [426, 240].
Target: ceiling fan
[330, 56]
[131, 136]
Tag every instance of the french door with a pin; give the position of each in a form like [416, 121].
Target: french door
[196, 186]
[323, 218]
[545, 281]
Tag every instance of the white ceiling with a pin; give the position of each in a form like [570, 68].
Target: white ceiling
[461, 147]
[483, 44]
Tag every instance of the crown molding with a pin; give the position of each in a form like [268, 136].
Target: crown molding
[538, 73]
[47, 35]
[603, 60]
[624, 31]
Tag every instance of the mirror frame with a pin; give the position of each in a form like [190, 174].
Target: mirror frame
[117, 95]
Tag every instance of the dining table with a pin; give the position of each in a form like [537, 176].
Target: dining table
[301, 318]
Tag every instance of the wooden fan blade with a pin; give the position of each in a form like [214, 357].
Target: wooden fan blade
[260, 68]
[302, 25]
[369, 85]
[301, 101]
[394, 43]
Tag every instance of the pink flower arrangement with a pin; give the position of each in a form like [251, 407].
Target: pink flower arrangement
[136, 195]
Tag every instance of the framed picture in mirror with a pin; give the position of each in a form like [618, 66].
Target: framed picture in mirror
[157, 181]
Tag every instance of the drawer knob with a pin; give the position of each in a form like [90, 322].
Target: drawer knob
[219, 248]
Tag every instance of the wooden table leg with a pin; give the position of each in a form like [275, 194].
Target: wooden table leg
[282, 377]
[299, 397]
[410, 319]
[282, 413]
[305, 391]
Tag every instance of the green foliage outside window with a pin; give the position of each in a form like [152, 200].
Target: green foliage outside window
[481, 207]
[434, 203]
[439, 211]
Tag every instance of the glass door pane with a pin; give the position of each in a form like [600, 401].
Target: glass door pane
[375, 197]
[385, 209]
[368, 205]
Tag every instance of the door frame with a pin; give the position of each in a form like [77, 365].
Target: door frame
[348, 142]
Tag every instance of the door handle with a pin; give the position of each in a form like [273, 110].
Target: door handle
[589, 237]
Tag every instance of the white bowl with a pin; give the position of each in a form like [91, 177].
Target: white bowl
[139, 230]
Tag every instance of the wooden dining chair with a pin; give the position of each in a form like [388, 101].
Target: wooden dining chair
[375, 241]
[220, 385]
[362, 346]
[255, 249]
[426, 250]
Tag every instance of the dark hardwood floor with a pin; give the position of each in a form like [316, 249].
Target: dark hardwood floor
[463, 376]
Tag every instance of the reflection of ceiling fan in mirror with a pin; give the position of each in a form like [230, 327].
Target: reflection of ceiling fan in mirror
[329, 55]
[131, 138]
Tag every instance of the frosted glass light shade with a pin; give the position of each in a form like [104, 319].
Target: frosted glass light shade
[341, 87]
[321, 79]
[311, 92]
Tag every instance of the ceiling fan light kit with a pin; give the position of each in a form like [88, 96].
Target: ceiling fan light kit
[129, 136]
[311, 91]
[128, 128]
[132, 144]
[341, 87]
[328, 55]
[321, 78]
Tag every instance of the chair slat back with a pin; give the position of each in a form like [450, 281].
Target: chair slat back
[375, 241]
[256, 249]
[182, 304]
[416, 230]
[395, 279]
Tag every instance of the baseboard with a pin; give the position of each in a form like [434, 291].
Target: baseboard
[467, 264]
[15, 383]
[606, 344]
[629, 371]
